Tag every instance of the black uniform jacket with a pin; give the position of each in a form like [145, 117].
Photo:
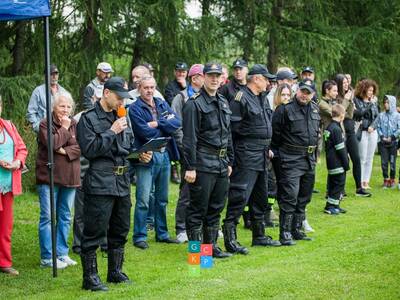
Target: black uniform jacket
[295, 133]
[207, 141]
[230, 89]
[251, 129]
[106, 152]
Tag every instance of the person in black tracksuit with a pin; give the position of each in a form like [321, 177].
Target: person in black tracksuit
[295, 137]
[249, 180]
[337, 161]
[208, 156]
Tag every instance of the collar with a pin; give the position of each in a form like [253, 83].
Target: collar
[100, 111]
[209, 99]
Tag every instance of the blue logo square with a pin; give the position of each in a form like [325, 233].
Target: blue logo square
[206, 262]
[194, 247]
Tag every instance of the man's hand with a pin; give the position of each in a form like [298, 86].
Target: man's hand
[370, 129]
[65, 122]
[145, 157]
[119, 125]
[181, 81]
[152, 124]
[61, 151]
[15, 165]
[229, 171]
[270, 154]
[190, 176]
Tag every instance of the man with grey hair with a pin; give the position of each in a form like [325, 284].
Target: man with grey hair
[37, 104]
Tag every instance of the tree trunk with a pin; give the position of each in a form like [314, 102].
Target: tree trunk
[18, 50]
[137, 53]
[273, 43]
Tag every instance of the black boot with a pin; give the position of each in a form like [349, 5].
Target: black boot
[246, 220]
[259, 237]
[297, 233]
[285, 228]
[230, 239]
[91, 280]
[210, 236]
[195, 234]
[115, 261]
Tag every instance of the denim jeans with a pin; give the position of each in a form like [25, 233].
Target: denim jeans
[156, 174]
[63, 200]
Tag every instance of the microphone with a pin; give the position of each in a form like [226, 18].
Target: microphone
[121, 113]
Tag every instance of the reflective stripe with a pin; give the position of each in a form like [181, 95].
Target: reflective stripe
[336, 171]
[333, 201]
[339, 146]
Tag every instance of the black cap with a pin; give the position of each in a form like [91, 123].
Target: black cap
[181, 66]
[307, 85]
[239, 63]
[285, 74]
[117, 85]
[212, 68]
[53, 69]
[261, 70]
[307, 69]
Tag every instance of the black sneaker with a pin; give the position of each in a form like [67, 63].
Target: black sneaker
[331, 210]
[341, 210]
[362, 193]
[141, 245]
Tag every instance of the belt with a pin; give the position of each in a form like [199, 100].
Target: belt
[264, 142]
[300, 149]
[220, 152]
[116, 170]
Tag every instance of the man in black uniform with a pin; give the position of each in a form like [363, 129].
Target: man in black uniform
[208, 156]
[105, 142]
[238, 82]
[295, 137]
[249, 180]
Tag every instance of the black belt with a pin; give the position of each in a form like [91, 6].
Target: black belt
[264, 142]
[299, 149]
[220, 152]
[116, 170]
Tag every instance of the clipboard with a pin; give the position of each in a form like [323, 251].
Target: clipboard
[153, 145]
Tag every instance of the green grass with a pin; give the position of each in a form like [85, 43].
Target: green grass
[353, 256]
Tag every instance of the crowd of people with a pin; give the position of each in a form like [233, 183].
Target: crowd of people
[241, 144]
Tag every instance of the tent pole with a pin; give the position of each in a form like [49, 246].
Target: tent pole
[50, 162]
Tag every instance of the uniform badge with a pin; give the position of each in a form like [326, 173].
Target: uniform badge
[238, 96]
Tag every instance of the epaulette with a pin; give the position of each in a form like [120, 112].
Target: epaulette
[238, 96]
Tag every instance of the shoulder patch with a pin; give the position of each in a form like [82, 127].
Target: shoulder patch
[238, 96]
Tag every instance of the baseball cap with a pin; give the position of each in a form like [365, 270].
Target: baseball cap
[262, 70]
[181, 66]
[239, 63]
[196, 69]
[307, 85]
[285, 74]
[117, 85]
[105, 67]
[212, 68]
[53, 69]
[307, 69]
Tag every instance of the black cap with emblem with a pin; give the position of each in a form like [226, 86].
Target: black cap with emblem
[261, 70]
[239, 63]
[212, 68]
[181, 66]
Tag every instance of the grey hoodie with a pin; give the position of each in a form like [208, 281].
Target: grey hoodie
[388, 122]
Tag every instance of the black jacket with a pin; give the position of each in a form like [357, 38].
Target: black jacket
[251, 129]
[104, 150]
[207, 141]
[337, 161]
[172, 89]
[230, 90]
[366, 112]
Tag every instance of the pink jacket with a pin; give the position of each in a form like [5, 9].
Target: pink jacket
[20, 152]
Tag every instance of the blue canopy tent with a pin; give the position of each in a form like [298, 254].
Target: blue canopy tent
[11, 10]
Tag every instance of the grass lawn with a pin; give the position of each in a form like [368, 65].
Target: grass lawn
[353, 256]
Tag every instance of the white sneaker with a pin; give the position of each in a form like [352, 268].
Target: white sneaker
[182, 237]
[48, 263]
[307, 227]
[66, 259]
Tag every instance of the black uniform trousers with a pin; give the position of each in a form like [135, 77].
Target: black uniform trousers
[336, 184]
[207, 199]
[388, 156]
[182, 204]
[105, 216]
[247, 186]
[352, 149]
[295, 188]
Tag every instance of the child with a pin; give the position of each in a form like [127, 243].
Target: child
[336, 160]
[388, 127]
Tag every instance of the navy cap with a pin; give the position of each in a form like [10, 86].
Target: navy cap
[308, 69]
[212, 68]
[285, 74]
[181, 66]
[239, 63]
[307, 85]
[117, 85]
[261, 70]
